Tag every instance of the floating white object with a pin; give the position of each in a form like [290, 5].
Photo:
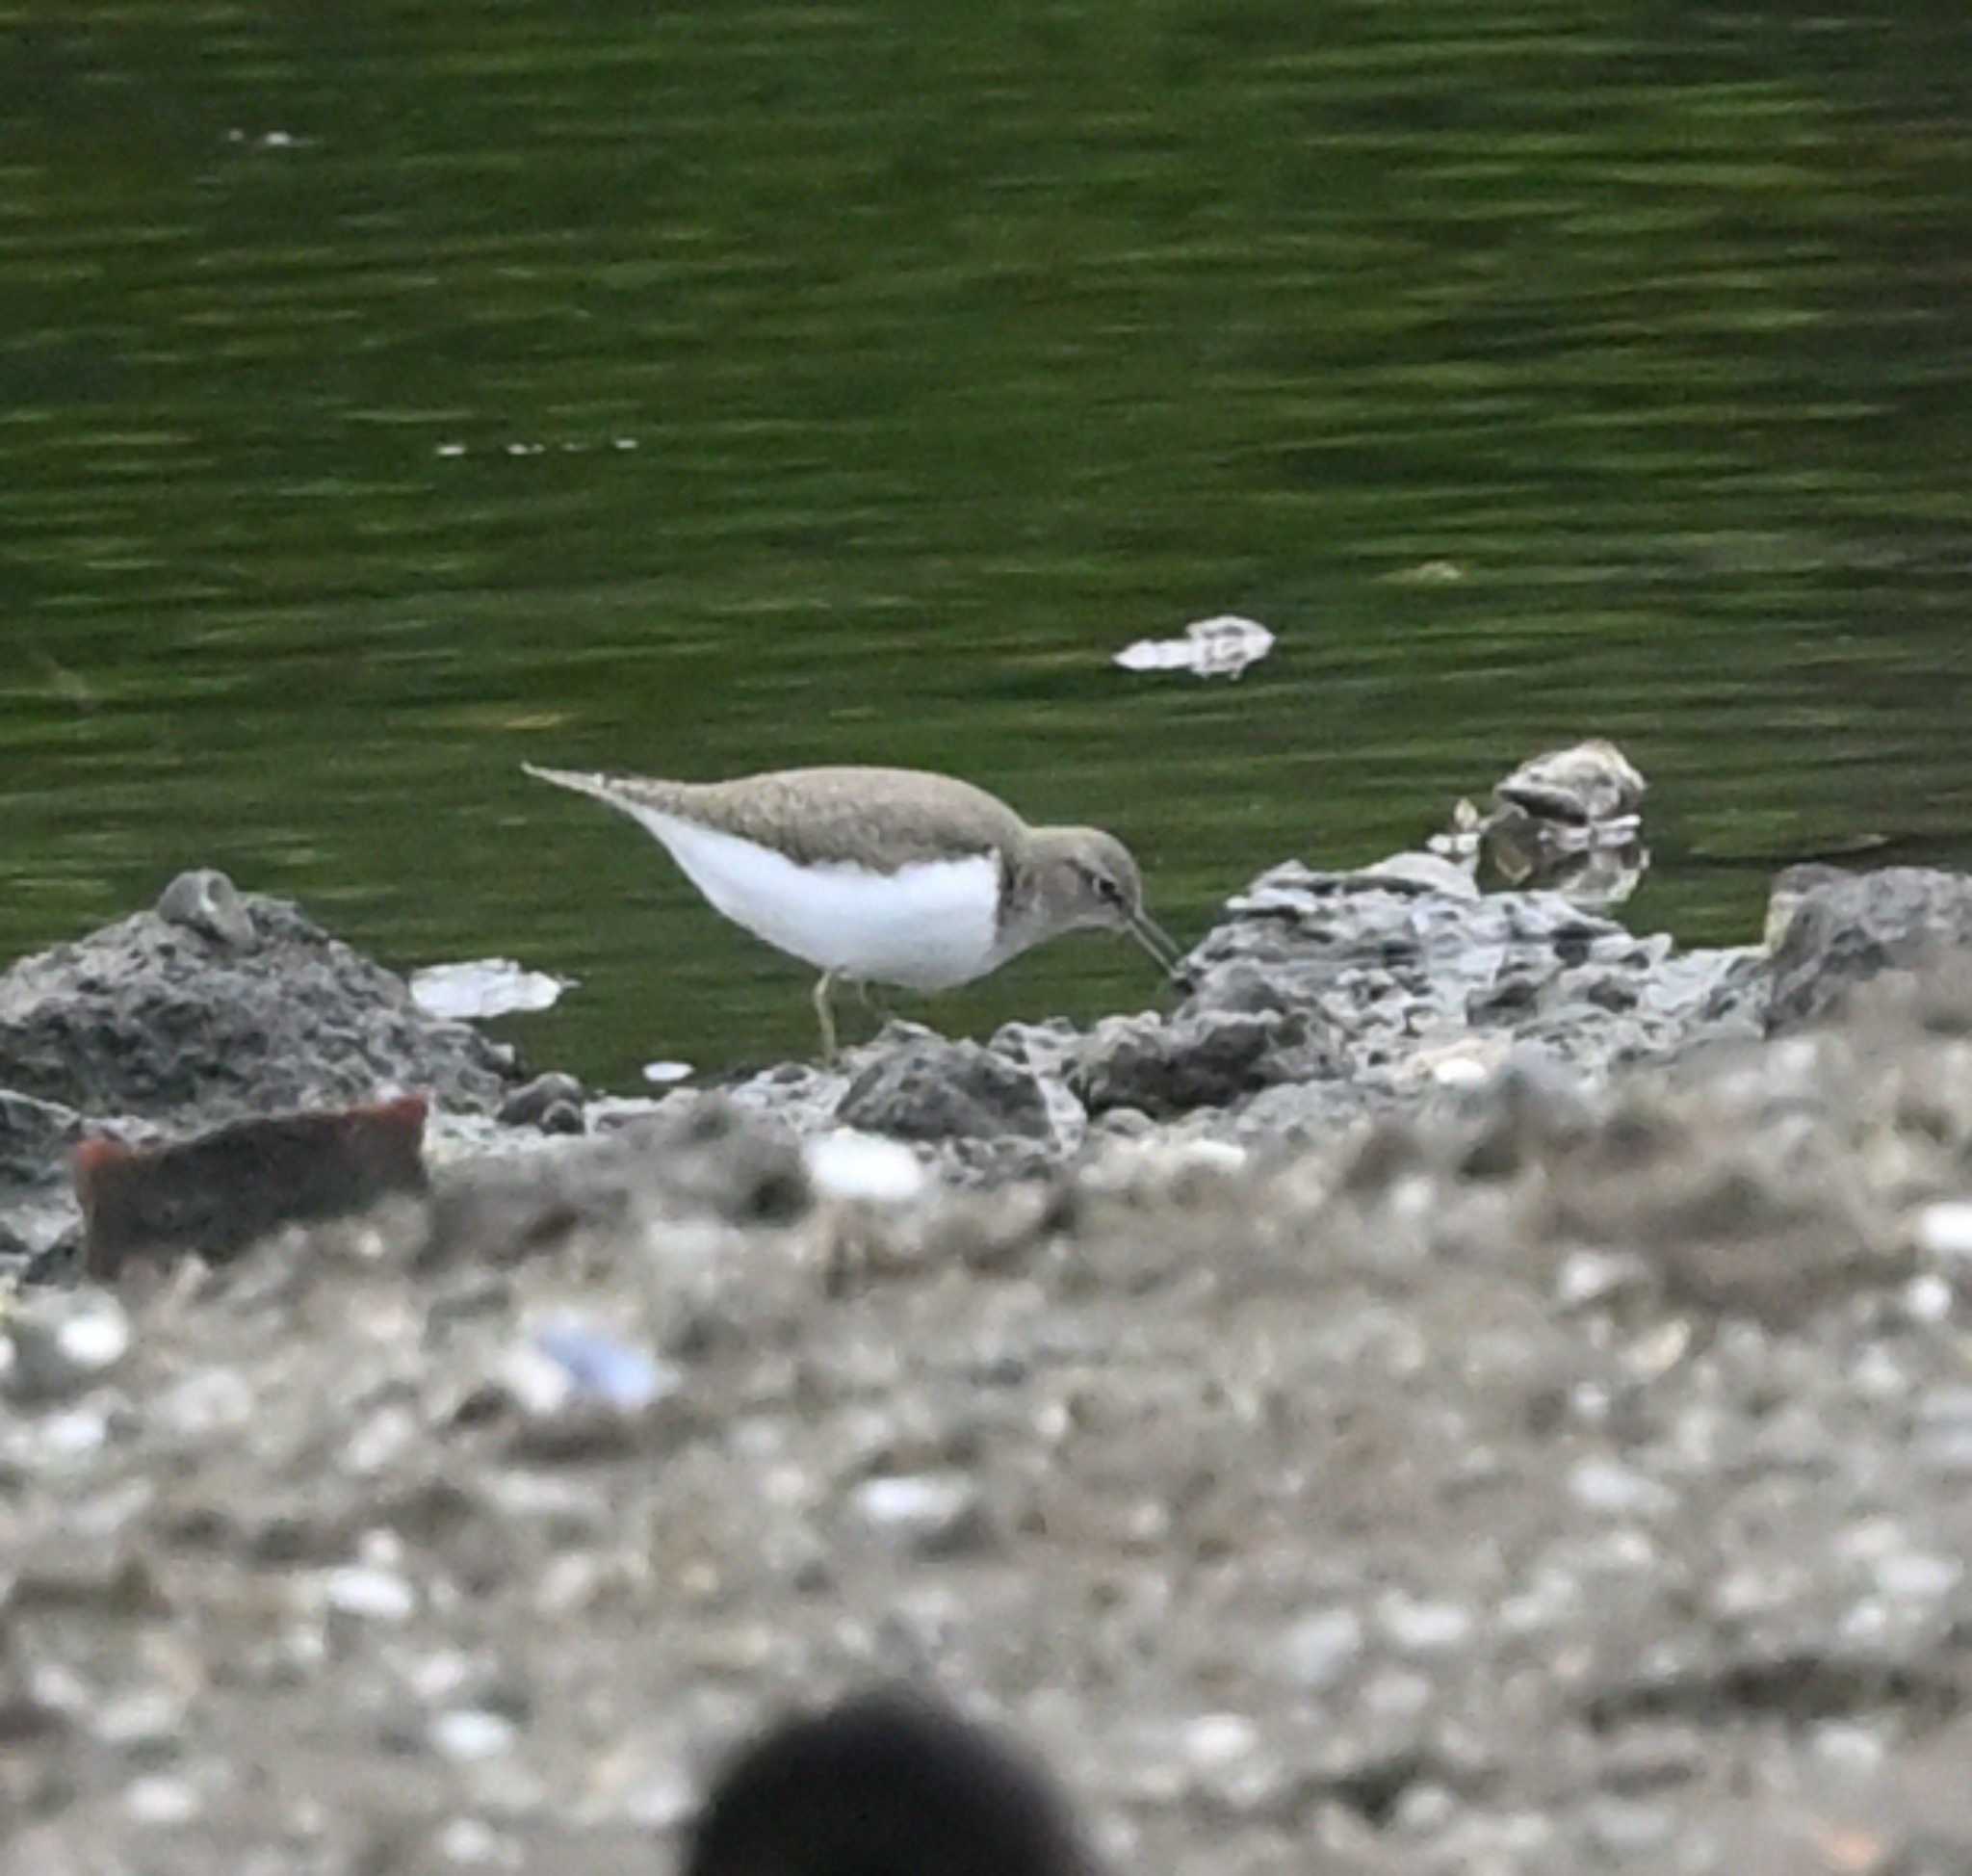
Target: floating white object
[664, 1074]
[1221, 646]
[486, 986]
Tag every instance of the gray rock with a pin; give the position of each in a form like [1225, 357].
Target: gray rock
[1832, 930]
[930, 1089]
[61, 1343]
[698, 1157]
[1205, 1058]
[1592, 781]
[552, 1103]
[206, 901]
[163, 1019]
[38, 1219]
[1388, 971]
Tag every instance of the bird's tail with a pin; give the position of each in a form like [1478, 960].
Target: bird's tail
[601, 787]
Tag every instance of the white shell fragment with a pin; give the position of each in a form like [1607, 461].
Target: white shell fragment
[1221, 647]
[485, 986]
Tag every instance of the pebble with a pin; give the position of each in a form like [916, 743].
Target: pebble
[932, 1513]
[1622, 1827]
[568, 1364]
[1425, 1807]
[1944, 1231]
[161, 1802]
[1320, 1647]
[1420, 1627]
[375, 1595]
[1942, 1436]
[74, 1434]
[601, 1367]
[661, 1801]
[63, 1342]
[215, 1400]
[467, 1735]
[1587, 1278]
[1603, 1485]
[149, 1721]
[1851, 1747]
[1927, 1299]
[206, 901]
[1396, 1694]
[1214, 1741]
[1918, 1576]
[862, 1167]
[475, 1843]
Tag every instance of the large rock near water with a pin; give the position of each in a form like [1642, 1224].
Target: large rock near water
[219, 1004]
[1840, 929]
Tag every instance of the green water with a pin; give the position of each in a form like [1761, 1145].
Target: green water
[392, 392]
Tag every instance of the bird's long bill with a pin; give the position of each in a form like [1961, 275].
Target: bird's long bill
[1158, 941]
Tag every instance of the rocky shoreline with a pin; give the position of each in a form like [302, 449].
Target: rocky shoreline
[1472, 1386]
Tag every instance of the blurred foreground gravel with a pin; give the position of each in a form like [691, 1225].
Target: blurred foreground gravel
[1564, 1468]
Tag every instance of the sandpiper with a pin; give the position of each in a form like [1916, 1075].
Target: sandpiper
[882, 875]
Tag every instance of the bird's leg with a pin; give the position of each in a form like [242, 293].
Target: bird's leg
[822, 986]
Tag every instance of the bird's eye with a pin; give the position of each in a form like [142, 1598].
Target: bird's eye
[1107, 888]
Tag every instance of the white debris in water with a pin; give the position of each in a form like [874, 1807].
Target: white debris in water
[568, 446]
[1221, 647]
[485, 986]
[664, 1074]
[848, 1164]
[1429, 573]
